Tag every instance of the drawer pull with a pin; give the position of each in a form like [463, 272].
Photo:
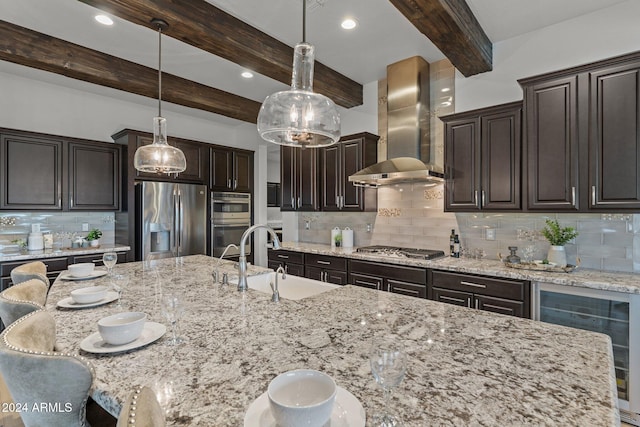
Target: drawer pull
[323, 262]
[283, 256]
[96, 260]
[477, 305]
[475, 285]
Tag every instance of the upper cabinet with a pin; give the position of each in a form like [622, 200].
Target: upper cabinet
[299, 183]
[483, 158]
[231, 170]
[45, 172]
[583, 137]
[338, 162]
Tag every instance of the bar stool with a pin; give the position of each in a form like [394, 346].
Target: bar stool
[30, 270]
[141, 409]
[21, 299]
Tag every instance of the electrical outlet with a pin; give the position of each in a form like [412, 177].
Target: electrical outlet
[490, 234]
[85, 226]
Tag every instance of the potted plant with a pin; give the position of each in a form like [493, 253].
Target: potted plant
[338, 240]
[94, 237]
[558, 237]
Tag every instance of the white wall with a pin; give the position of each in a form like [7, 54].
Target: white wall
[599, 35]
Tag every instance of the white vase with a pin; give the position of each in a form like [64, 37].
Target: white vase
[95, 243]
[557, 255]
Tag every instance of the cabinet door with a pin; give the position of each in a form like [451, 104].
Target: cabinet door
[366, 281]
[499, 305]
[295, 269]
[452, 297]
[552, 145]
[331, 177]
[336, 277]
[307, 179]
[221, 169]
[352, 199]
[94, 177]
[614, 138]
[406, 288]
[31, 171]
[462, 165]
[287, 178]
[242, 171]
[500, 158]
[196, 155]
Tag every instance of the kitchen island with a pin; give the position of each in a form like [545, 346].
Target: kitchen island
[466, 367]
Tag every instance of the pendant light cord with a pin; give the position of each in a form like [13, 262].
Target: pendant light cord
[304, 21]
[159, 70]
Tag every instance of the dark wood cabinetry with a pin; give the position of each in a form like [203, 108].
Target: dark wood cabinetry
[483, 158]
[504, 296]
[411, 281]
[46, 172]
[94, 177]
[583, 137]
[326, 268]
[291, 261]
[231, 170]
[299, 183]
[338, 162]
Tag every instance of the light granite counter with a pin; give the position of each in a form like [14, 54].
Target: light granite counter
[602, 280]
[466, 367]
[50, 253]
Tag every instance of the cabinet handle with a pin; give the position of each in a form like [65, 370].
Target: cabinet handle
[229, 183]
[338, 202]
[593, 195]
[323, 262]
[283, 256]
[286, 269]
[477, 305]
[235, 184]
[96, 260]
[469, 302]
[299, 202]
[475, 198]
[71, 202]
[326, 276]
[573, 196]
[475, 285]
[341, 202]
[482, 199]
[293, 203]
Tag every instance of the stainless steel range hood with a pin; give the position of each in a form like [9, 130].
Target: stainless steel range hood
[408, 137]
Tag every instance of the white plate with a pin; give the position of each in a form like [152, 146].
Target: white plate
[150, 333]
[96, 273]
[68, 301]
[347, 412]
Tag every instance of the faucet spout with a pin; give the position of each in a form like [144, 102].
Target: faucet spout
[276, 294]
[242, 262]
[216, 273]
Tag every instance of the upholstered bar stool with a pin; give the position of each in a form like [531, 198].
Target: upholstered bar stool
[21, 299]
[36, 374]
[141, 409]
[28, 271]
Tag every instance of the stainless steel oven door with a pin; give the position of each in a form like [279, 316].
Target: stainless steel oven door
[223, 234]
[227, 207]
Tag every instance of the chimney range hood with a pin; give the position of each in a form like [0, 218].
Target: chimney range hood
[408, 138]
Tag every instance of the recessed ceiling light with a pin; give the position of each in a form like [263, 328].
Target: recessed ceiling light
[247, 74]
[349, 24]
[104, 19]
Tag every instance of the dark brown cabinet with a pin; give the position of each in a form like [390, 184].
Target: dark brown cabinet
[291, 261]
[504, 296]
[94, 177]
[31, 171]
[411, 281]
[326, 268]
[231, 170]
[483, 158]
[299, 179]
[338, 162]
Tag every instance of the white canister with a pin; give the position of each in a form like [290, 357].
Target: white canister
[347, 238]
[48, 240]
[35, 242]
[334, 232]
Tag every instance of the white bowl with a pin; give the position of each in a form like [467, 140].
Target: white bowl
[89, 294]
[302, 397]
[83, 269]
[121, 328]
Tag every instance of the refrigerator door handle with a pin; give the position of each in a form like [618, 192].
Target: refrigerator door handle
[176, 236]
[180, 222]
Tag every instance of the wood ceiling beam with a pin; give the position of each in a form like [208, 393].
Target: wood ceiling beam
[206, 27]
[453, 28]
[32, 49]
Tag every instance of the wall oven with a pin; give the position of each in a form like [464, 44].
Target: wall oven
[230, 217]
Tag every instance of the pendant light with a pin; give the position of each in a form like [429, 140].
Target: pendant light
[299, 117]
[159, 157]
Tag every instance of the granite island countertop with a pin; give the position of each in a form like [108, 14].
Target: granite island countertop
[466, 367]
[51, 253]
[594, 279]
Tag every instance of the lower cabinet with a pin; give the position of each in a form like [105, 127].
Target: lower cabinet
[291, 261]
[326, 268]
[504, 296]
[411, 281]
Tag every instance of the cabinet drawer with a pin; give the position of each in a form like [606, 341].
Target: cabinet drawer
[500, 305]
[53, 264]
[325, 261]
[286, 256]
[452, 297]
[409, 289]
[97, 258]
[490, 286]
[405, 274]
[366, 281]
[290, 268]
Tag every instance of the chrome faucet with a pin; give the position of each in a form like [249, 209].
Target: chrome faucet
[216, 273]
[242, 262]
[276, 295]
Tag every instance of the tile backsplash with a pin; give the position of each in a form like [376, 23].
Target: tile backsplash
[17, 225]
[412, 215]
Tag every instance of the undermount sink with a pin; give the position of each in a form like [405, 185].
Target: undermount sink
[293, 287]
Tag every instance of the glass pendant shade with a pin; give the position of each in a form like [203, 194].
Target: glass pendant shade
[159, 157]
[299, 117]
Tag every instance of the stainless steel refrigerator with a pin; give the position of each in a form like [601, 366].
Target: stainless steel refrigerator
[171, 220]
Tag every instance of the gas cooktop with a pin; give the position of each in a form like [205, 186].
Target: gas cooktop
[399, 252]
